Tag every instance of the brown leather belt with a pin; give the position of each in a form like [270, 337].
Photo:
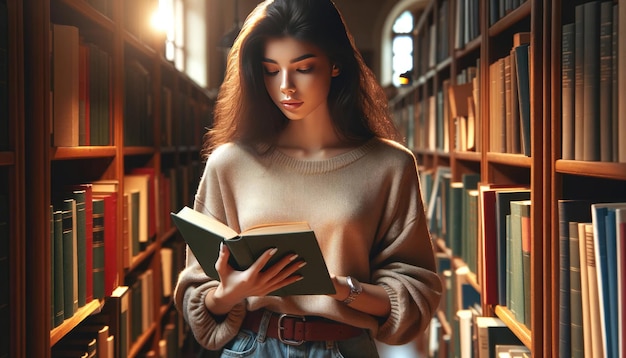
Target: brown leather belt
[295, 330]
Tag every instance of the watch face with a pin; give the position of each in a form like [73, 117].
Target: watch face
[355, 285]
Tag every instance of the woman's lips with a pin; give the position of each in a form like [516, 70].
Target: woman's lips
[291, 105]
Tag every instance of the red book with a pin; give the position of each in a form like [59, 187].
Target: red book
[111, 278]
[489, 239]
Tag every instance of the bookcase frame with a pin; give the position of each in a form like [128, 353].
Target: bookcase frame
[12, 167]
[494, 167]
[35, 170]
[550, 178]
[607, 178]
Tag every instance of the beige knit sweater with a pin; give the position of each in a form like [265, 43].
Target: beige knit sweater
[366, 210]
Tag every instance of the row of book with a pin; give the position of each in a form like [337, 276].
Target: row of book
[591, 48]
[464, 112]
[592, 288]
[509, 99]
[82, 98]
[500, 8]
[467, 15]
[113, 331]
[128, 313]
[463, 330]
[81, 90]
[487, 226]
[425, 122]
[84, 233]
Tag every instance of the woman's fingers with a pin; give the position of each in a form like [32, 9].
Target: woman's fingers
[221, 265]
[277, 275]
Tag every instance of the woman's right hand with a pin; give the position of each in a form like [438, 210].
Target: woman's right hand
[235, 286]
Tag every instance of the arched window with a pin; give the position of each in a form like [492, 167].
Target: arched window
[402, 46]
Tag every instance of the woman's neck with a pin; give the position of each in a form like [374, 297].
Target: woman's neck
[311, 139]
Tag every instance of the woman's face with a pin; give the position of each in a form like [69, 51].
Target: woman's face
[297, 77]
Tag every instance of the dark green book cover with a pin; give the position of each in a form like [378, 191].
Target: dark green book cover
[70, 297]
[58, 287]
[81, 237]
[204, 235]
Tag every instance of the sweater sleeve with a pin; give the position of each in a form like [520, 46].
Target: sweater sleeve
[193, 284]
[404, 264]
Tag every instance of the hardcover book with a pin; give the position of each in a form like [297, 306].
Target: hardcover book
[204, 235]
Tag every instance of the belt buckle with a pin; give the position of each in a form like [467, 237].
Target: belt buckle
[290, 342]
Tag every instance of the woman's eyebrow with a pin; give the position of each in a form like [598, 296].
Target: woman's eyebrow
[297, 59]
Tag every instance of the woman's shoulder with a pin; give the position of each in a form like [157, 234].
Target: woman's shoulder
[228, 153]
[393, 150]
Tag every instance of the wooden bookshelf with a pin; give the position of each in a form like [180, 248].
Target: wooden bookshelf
[549, 177]
[13, 245]
[36, 170]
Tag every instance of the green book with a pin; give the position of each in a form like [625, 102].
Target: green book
[133, 222]
[455, 205]
[70, 297]
[204, 235]
[470, 230]
[58, 289]
[576, 316]
[503, 208]
[98, 248]
[81, 237]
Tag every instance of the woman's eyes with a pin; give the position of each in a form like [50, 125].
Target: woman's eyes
[273, 72]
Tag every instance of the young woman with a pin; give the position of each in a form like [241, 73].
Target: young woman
[302, 133]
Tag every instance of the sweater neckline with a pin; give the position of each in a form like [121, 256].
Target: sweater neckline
[319, 166]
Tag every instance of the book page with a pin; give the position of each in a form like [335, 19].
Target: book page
[277, 228]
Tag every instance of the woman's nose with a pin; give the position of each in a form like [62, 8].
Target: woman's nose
[286, 86]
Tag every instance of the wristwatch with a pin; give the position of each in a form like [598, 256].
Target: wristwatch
[355, 289]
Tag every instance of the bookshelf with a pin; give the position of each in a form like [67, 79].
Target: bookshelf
[149, 117]
[437, 128]
[12, 165]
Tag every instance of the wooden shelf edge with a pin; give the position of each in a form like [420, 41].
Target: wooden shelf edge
[139, 150]
[85, 9]
[520, 330]
[138, 259]
[82, 152]
[607, 170]
[59, 332]
[518, 160]
[467, 156]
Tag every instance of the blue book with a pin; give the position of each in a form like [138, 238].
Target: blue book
[611, 251]
[523, 93]
[601, 240]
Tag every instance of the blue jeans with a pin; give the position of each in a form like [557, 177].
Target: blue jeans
[251, 344]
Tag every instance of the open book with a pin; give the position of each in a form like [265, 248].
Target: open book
[204, 235]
